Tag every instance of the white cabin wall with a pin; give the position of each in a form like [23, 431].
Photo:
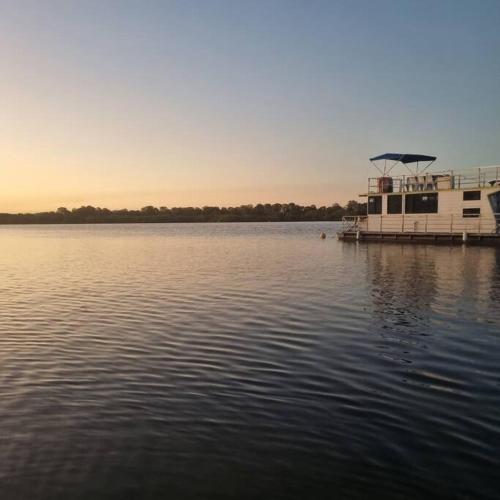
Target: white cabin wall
[450, 202]
[448, 219]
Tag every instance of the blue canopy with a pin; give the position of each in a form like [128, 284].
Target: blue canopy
[403, 158]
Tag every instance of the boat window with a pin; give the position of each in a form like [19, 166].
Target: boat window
[394, 204]
[472, 195]
[471, 212]
[374, 205]
[495, 202]
[421, 203]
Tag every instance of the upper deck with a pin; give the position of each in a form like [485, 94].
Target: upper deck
[473, 178]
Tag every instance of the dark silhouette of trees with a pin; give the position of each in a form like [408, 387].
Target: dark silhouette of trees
[276, 212]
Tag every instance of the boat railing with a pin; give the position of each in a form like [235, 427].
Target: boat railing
[352, 223]
[433, 223]
[464, 179]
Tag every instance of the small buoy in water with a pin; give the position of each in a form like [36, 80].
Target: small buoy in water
[323, 236]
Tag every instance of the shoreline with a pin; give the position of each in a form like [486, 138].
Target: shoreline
[80, 223]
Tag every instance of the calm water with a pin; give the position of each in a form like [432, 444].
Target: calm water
[245, 361]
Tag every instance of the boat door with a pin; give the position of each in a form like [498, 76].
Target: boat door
[495, 205]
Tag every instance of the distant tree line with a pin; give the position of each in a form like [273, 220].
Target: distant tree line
[275, 212]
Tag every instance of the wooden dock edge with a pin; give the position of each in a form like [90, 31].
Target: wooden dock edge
[434, 238]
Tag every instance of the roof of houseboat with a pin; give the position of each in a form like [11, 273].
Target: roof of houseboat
[403, 158]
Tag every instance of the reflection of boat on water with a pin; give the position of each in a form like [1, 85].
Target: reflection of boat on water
[424, 206]
[417, 292]
[413, 277]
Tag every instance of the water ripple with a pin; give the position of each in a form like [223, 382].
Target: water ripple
[245, 361]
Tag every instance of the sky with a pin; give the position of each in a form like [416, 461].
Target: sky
[191, 103]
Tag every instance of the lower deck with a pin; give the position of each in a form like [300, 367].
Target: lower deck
[475, 211]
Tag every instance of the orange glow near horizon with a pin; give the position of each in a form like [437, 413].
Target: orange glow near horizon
[122, 105]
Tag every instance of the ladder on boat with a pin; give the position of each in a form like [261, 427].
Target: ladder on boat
[351, 223]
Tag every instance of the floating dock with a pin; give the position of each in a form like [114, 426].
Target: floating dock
[434, 238]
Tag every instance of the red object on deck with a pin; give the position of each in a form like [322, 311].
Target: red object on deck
[385, 184]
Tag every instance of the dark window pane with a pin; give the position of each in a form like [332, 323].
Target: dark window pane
[495, 202]
[421, 203]
[472, 195]
[374, 204]
[471, 212]
[394, 204]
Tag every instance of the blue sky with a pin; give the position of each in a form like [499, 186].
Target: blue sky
[126, 103]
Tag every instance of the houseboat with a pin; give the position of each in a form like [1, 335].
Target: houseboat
[420, 205]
